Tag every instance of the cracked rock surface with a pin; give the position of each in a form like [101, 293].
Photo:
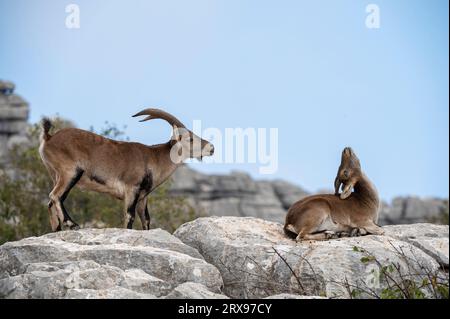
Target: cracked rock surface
[104, 263]
[216, 258]
[256, 259]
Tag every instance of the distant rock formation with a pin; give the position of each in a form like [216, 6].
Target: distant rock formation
[237, 194]
[14, 112]
[413, 209]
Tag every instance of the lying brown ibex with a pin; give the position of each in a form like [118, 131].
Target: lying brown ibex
[125, 170]
[326, 216]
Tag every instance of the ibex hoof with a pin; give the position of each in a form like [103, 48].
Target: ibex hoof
[75, 227]
[331, 234]
[358, 232]
[362, 231]
[71, 225]
[344, 234]
[354, 232]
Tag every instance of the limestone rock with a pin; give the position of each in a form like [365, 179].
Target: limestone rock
[236, 194]
[291, 296]
[97, 263]
[288, 193]
[407, 210]
[13, 116]
[257, 260]
[191, 290]
[113, 293]
[433, 239]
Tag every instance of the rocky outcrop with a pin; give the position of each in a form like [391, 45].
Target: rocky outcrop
[408, 210]
[433, 239]
[13, 117]
[237, 194]
[257, 260]
[105, 263]
[192, 290]
[218, 258]
[291, 296]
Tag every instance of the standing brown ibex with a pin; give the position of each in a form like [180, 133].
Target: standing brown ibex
[326, 216]
[128, 171]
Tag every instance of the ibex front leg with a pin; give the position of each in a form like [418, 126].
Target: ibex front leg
[143, 213]
[131, 202]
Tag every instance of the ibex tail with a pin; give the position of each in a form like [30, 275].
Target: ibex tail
[46, 125]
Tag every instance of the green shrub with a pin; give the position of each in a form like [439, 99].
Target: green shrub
[401, 283]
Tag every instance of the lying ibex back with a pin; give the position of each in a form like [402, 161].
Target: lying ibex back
[126, 170]
[321, 217]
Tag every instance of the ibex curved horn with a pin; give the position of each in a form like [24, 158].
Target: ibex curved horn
[159, 114]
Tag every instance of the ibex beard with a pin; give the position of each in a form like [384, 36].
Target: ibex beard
[128, 171]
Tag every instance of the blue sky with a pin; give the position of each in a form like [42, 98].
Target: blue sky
[309, 68]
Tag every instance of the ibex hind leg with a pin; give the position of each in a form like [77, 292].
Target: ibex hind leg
[147, 217]
[316, 225]
[64, 185]
[131, 204]
[143, 213]
[68, 221]
[325, 235]
[55, 223]
[373, 229]
[327, 229]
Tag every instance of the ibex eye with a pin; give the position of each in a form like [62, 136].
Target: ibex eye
[345, 173]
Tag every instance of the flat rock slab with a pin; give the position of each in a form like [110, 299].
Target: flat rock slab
[291, 296]
[192, 290]
[433, 239]
[257, 260]
[102, 263]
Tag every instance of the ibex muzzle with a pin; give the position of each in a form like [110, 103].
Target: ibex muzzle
[126, 170]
